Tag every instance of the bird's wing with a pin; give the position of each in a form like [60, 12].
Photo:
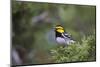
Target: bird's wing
[66, 35]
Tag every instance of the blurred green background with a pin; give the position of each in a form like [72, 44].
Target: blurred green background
[33, 35]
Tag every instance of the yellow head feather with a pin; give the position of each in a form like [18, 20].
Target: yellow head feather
[59, 29]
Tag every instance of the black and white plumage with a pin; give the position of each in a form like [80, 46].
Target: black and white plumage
[62, 37]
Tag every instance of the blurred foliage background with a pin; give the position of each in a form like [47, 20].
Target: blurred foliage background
[33, 36]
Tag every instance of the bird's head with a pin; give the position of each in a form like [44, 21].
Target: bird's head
[59, 29]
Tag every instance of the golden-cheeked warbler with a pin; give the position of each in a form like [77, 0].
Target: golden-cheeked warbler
[62, 37]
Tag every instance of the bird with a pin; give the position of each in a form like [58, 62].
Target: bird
[62, 37]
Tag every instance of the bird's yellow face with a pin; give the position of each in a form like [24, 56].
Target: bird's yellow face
[59, 29]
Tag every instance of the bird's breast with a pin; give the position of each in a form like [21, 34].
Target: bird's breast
[60, 40]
